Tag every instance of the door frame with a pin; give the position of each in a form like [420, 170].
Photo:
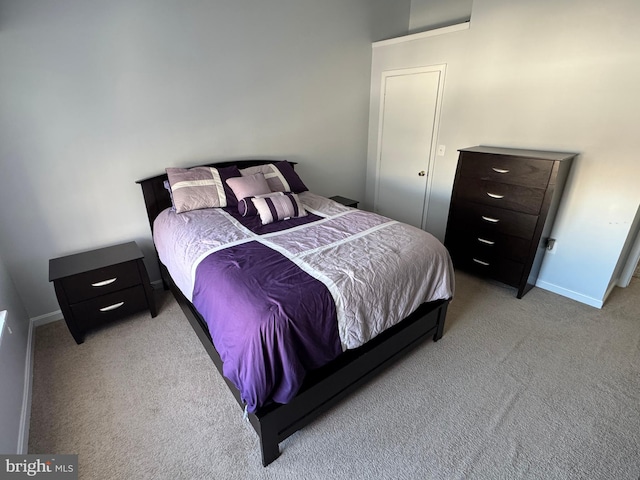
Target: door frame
[633, 257]
[441, 69]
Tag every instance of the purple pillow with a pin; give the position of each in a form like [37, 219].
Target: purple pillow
[280, 177]
[201, 187]
[296, 185]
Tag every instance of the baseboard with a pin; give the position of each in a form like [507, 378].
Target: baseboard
[593, 302]
[25, 414]
[47, 318]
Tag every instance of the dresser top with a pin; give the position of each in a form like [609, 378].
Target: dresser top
[517, 152]
[86, 261]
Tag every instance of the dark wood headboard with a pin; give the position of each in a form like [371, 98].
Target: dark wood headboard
[156, 197]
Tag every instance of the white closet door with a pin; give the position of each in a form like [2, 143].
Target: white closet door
[409, 114]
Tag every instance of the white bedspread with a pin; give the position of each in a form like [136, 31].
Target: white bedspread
[378, 270]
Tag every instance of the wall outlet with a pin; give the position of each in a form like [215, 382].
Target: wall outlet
[3, 316]
[441, 150]
[551, 245]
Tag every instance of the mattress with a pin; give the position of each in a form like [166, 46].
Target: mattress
[323, 283]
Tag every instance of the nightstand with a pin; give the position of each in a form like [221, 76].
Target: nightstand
[345, 201]
[101, 286]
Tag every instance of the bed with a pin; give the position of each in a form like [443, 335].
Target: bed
[315, 276]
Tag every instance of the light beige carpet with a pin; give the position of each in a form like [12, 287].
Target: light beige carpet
[542, 387]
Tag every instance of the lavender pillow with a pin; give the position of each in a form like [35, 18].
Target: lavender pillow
[280, 176]
[278, 206]
[201, 187]
[248, 186]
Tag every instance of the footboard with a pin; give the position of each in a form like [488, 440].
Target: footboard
[330, 384]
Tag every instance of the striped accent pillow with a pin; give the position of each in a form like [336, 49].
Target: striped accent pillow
[278, 206]
[201, 187]
[280, 176]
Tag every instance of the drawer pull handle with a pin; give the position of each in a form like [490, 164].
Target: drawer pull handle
[483, 240]
[104, 283]
[486, 264]
[112, 307]
[495, 195]
[500, 170]
[490, 219]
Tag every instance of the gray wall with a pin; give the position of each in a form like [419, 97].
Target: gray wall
[13, 357]
[544, 75]
[96, 94]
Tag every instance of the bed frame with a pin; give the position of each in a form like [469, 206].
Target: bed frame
[323, 387]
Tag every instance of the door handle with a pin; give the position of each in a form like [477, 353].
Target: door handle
[422, 173]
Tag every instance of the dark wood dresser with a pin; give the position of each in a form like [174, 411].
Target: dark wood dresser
[100, 286]
[502, 210]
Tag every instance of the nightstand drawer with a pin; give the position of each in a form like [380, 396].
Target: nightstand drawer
[110, 307]
[502, 195]
[85, 286]
[506, 169]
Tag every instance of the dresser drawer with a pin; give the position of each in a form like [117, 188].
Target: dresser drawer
[502, 269]
[94, 283]
[488, 244]
[503, 195]
[506, 169]
[109, 307]
[483, 218]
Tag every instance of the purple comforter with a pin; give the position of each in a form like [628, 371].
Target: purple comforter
[270, 321]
